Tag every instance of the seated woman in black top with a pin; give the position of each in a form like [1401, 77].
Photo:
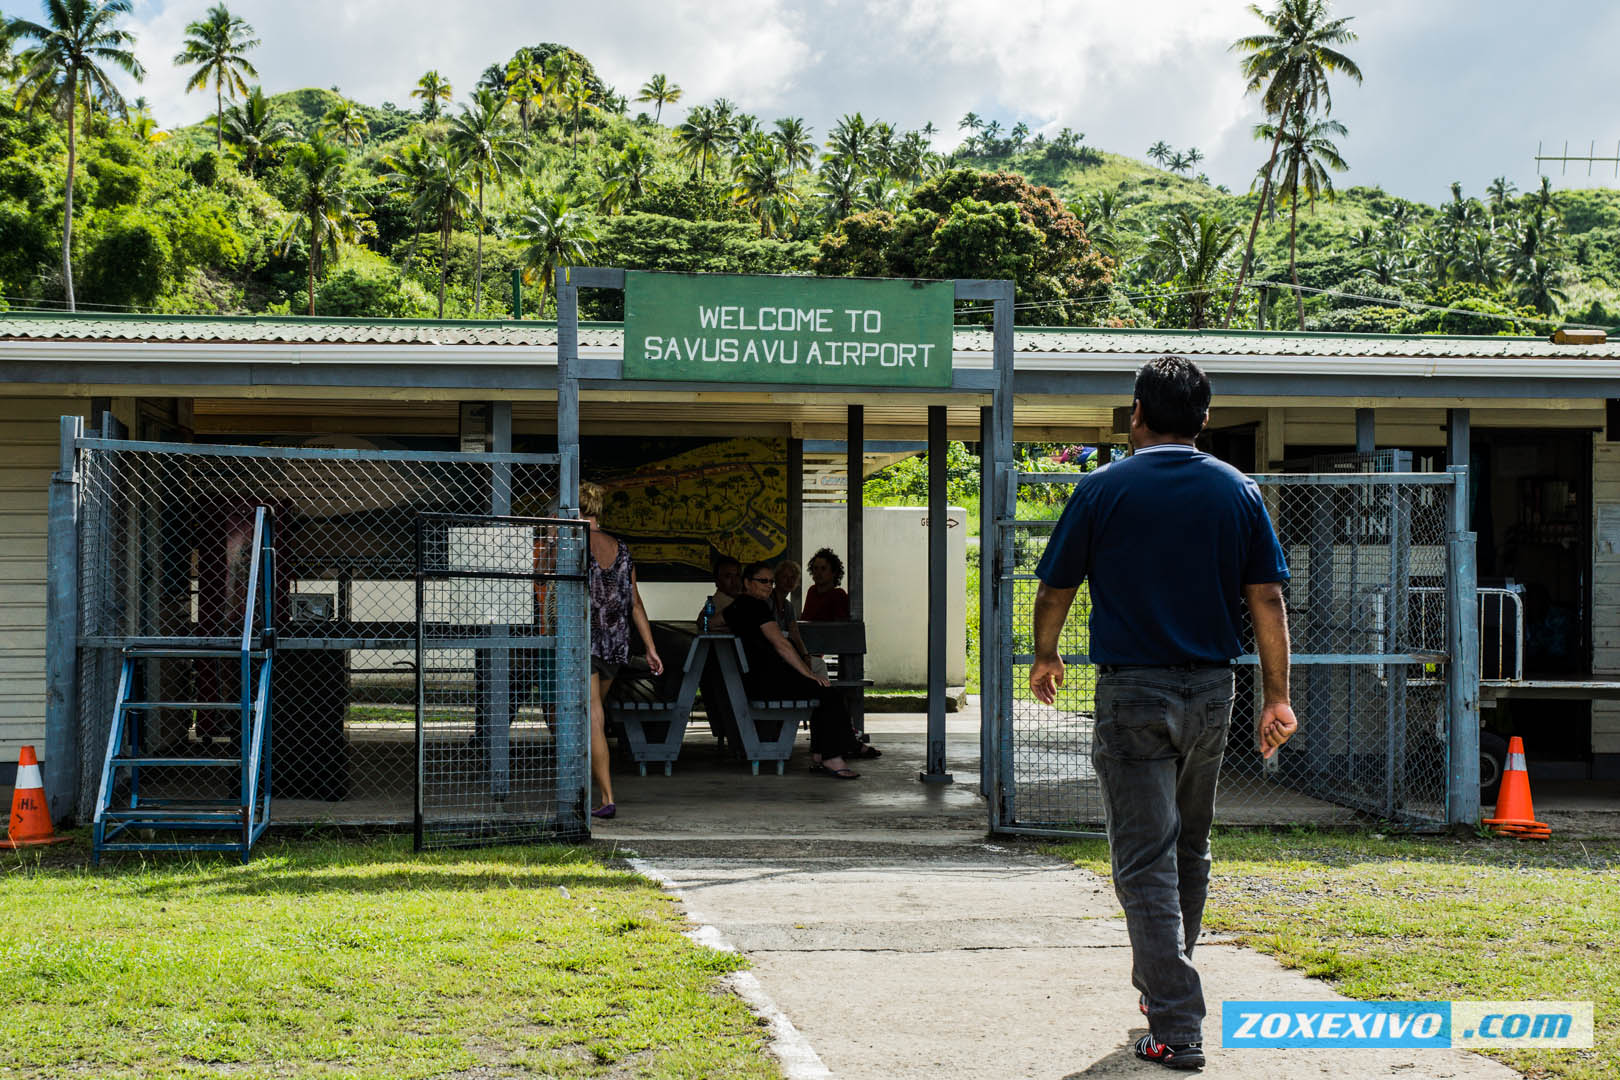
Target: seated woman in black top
[775, 670]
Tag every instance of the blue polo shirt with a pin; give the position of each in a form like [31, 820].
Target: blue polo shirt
[1167, 538]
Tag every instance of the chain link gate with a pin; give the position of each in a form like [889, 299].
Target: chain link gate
[164, 540]
[1368, 619]
[502, 677]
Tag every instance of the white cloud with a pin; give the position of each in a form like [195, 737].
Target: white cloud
[1451, 90]
[375, 50]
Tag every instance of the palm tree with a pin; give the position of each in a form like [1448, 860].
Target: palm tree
[489, 151]
[411, 173]
[64, 70]
[1179, 164]
[929, 130]
[1500, 190]
[840, 190]
[345, 122]
[626, 176]
[1194, 156]
[989, 136]
[326, 210]
[525, 77]
[1192, 250]
[909, 160]
[217, 45]
[764, 186]
[1388, 266]
[794, 139]
[699, 138]
[1160, 152]
[660, 91]
[1288, 66]
[254, 131]
[552, 235]
[1307, 155]
[1020, 132]
[577, 93]
[971, 122]
[1101, 214]
[443, 198]
[433, 89]
[850, 141]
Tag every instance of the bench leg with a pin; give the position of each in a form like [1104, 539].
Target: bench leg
[781, 767]
[669, 768]
[643, 767]
[755, 764]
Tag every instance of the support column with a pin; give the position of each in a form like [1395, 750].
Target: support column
[1459, 435]
[62, 752]
[795, 514]
[855, 545]
[1366, 432]
[938, 600]
[568, 398]
[498, 721]
[1462, 672]
[988, 531]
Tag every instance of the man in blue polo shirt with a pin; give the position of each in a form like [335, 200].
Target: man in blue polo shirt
[1171, 542]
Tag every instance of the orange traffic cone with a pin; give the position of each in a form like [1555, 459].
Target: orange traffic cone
[30, 818]
[1515, 816]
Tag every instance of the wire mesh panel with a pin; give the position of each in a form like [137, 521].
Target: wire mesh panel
[1368, 622]
[165, 530]
[502, 670]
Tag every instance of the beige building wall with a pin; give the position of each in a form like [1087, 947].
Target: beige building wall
[1606, 591]
[29, 430]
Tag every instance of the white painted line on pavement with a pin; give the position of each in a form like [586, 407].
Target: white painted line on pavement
[799, 1059]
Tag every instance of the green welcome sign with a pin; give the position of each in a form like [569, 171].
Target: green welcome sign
[804, 330]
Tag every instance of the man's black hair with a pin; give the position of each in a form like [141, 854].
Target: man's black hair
[724, 561]
[1174, 394]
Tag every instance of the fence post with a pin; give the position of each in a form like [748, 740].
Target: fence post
[1462, 672]
[62, 750]
[568, 397]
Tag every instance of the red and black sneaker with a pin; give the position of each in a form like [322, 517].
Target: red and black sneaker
[1184, 1056]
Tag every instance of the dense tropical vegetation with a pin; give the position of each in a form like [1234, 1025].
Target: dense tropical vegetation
[312, 202]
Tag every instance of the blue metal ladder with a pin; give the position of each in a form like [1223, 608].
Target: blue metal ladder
[124, 820]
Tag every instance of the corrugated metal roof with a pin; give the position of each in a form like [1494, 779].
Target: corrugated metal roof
[1082, 341]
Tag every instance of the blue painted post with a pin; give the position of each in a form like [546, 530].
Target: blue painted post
[938, 604]
[568, 396]
[855, 545]
[1462, 672]
[987, 592]
[500, 660]
[61, 766]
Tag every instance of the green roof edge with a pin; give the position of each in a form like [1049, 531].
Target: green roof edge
[506, 324]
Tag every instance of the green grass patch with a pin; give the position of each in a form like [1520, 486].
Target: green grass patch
[357, 960]
[1429, 919]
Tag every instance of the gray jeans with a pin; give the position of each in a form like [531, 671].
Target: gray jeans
[1159, 740]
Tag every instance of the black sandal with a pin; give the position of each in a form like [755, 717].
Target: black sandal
[867, 750]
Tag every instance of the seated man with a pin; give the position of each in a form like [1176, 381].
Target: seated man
[776, 671]
[727, 587]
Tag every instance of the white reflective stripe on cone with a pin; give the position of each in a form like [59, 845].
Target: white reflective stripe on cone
[1516, 761]
[28, 777]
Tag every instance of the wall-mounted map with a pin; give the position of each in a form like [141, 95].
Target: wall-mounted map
[680, 502]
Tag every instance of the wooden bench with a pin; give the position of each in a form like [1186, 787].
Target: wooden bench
[843, 642]
[764, 729]
[652, 711]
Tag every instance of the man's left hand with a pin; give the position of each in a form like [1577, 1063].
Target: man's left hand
[1045, 677]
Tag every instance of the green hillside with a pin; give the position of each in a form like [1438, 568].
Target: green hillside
[166, 221]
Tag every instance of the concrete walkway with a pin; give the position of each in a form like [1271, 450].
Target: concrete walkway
[890, 939]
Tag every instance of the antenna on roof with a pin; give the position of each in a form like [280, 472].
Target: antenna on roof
[1591, 157]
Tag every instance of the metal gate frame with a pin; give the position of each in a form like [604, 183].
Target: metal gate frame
[101, 538]
[1439, 656]
[484, 598]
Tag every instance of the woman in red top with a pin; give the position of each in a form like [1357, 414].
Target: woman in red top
[824, 600]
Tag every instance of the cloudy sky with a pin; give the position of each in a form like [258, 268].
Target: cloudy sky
[1455, 90]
